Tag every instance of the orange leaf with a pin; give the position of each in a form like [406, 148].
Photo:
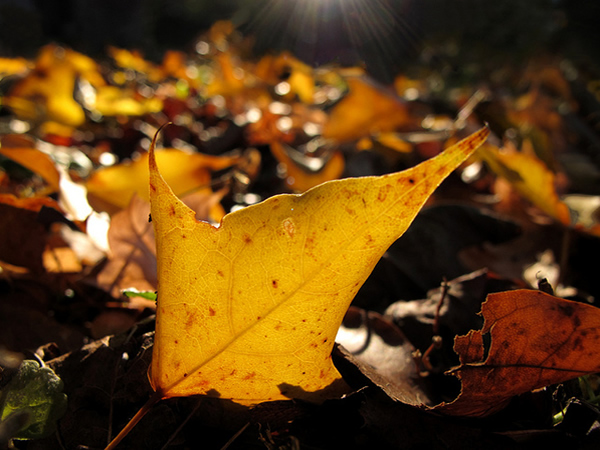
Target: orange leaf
[536, 340]
[300, 179]
[36, 161]
[530, 177]
[365, 110]
[249, 311]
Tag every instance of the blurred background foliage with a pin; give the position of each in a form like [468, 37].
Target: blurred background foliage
[384, 35]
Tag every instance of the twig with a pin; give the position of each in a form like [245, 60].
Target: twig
[234, 437]
[180, 427]
[436, 319]
[155, 398]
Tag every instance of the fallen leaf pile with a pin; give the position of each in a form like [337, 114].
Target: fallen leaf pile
[324, 260]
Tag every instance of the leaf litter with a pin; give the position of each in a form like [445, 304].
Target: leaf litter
[484, 227]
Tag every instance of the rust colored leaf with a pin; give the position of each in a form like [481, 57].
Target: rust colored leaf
[536, 340]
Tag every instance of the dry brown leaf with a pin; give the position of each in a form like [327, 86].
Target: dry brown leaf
[536, 340]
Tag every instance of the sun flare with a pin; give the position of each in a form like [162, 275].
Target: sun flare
[373, 32]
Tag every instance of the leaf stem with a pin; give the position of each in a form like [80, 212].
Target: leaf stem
[155, 398]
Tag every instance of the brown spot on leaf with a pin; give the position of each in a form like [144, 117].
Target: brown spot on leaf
[220, 273]
[211, 312]
[274, 283]
[289, 227]
[383, 192]
[246, 238]
[249, 376]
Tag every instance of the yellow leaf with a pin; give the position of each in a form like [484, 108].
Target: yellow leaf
[47, 91]
[13, 66]
[111, 189]
[530, 177]
[112, 101]
[249, 311]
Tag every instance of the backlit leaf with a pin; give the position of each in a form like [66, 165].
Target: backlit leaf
[249, 311]
[536, 340]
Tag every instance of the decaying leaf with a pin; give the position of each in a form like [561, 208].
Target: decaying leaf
[249, 311]
[536, 340]
[382, 353]
[37, 392]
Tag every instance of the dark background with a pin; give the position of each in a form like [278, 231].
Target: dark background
[384, 35]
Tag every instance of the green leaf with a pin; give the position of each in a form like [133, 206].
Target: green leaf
[132, 292]
[37, 391]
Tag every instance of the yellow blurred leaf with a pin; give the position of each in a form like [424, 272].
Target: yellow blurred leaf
[13, 66]
[46, 93]
[365, 110]
[528, 176]
[133, 59]
[249, 311]
[112, 101]
[112, 188]
[391, 140]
